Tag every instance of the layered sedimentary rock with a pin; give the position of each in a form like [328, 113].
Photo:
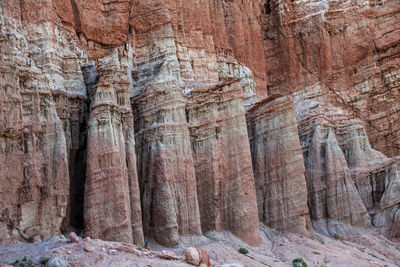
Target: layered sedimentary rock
[165, 165]
[278, 165]
[221, 154]
[36, 142]
[346, 178]
[349, 48]
[154, 52]
[112, 198]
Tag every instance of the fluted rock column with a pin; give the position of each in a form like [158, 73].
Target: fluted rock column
[165, 164]
[278, 165]
[333, 197]
[225, 182]
[376, 177]
[112, 198]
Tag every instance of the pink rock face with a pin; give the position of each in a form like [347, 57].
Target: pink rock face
[333, 196]
[149, 54]
[34, 180]
[349, 49]
[222, 160]
[112, 202]
[165, 165]
[278, 165]
[346, 178]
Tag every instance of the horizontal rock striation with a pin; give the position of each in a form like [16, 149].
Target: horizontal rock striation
[345, 176]
[278, 165]
[112, 198]
[126, 119]
[349, 49]
[165, 165]
[42, 105]
[221, 154]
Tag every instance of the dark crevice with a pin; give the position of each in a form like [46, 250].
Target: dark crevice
[77, 164]
[78, 155]
[77, 19]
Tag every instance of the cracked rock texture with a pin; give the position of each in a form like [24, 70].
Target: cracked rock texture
[141, 120]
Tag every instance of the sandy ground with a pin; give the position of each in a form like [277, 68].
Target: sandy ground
[362, 248]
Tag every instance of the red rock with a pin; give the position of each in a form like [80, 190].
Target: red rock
[222, 160]
[112, 209]
[349, 50]
[165, 166]
[197, 257]
[205, 258]
[89, 249]
[169, 255]
[278, 165]
[338, 157]
[192, 256]
[346, 54]
[74, 238]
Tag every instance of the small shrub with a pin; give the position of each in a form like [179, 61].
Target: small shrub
[243, 251]
[25, 261]
[299, 262]
[339, 236]
[317, 252]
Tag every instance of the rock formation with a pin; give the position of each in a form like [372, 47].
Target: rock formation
[349, 48]
[278, 165]
[165, 165]
[126, 120]
[112, 198]
[34, 146]
[345, 176]
[221, 154]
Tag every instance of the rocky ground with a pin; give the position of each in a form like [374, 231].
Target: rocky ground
[363, 248]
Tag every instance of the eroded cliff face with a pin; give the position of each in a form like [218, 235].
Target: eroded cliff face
[347, 48]
[346, 178]
[278, 165]
[222, 160]
[111, 187]
[132, 120]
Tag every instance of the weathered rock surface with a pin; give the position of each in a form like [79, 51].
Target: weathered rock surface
[138, 59]
[222, 160]
[165, 165]
[34, 147]
[348, 48]
[345, 176]
[112, 198]
[278, 165]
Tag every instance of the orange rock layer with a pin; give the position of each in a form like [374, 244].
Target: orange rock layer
[132, 120]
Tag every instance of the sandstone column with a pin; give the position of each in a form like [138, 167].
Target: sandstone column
[334, 200]
[225, 182]
[112, 200]
[278, 165]
[165, 165]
